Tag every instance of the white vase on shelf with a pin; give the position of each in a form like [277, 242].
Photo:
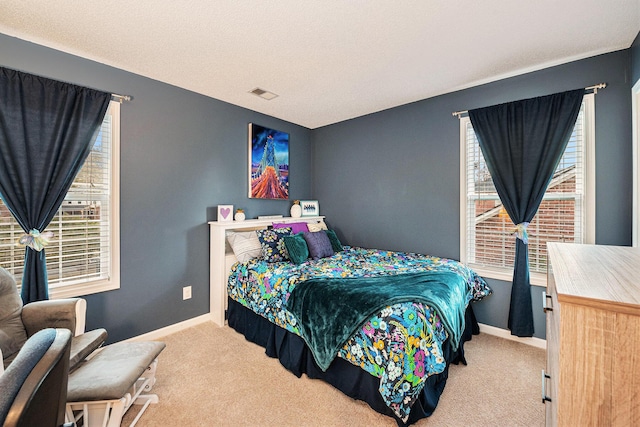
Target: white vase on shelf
[296, 210]
[239, 216]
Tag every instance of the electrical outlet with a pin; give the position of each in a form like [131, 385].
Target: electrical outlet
[186, 292]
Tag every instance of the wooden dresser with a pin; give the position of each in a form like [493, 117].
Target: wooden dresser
[592, 303]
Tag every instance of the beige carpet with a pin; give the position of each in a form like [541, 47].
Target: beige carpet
[210, 376]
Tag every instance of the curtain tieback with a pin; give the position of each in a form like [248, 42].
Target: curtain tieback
[36, 240]
[521, 232]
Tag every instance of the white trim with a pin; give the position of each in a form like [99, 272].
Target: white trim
[503, 333]
[114, 250]
[519, 72]
[181, 326]
[81, 316]
[590, 168]
[635, 120]
[204, 318]
[82, 289]
[506, 275]
[171, 329]
[463, 188]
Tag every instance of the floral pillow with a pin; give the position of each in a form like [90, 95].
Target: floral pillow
[272, 242]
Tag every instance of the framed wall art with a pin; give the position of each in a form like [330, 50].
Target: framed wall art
[310, 207]
[225, 213]
[268, 163]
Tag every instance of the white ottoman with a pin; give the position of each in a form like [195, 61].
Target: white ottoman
[103, 388]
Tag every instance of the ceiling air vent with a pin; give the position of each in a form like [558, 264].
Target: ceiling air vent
[265, 94]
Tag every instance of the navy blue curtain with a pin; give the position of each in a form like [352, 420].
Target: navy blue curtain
[522, 143]
[47, 129]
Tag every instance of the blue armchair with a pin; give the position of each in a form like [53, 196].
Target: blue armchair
[18, 322]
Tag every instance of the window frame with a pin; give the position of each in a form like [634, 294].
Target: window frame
[635, 124]
[588, 233]
[70, 290]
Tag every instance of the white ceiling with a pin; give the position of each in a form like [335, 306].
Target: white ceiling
[328, 60]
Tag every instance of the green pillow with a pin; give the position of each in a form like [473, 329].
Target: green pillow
[335, 242]
[297, 248]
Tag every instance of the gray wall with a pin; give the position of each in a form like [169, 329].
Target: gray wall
[182, 155]
[387, 180]
[392, 179]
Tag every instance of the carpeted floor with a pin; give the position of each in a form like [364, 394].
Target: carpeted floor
[211, 376]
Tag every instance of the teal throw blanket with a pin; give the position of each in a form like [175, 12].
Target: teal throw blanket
[330, 310]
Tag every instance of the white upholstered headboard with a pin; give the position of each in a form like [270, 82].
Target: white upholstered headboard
[221, 257]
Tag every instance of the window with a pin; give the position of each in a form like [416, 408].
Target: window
[566, 213]
[83, 257]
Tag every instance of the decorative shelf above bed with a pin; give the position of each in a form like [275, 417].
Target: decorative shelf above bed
[221, 257]
[249, 224]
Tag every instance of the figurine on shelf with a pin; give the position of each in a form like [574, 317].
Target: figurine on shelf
[296, 209]
[239, 216]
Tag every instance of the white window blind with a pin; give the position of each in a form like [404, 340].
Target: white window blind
[562, 216]
[82, 250]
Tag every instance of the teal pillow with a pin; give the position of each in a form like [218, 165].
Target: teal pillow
[297, 248]
[335, 242]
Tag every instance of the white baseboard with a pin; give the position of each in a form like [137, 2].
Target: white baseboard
[503, 333]
[176, 327]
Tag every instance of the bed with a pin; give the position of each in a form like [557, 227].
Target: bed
[392, 351]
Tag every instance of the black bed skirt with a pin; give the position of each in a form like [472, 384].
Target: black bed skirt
[294, 355]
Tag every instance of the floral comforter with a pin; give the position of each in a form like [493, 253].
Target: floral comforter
[401, 345]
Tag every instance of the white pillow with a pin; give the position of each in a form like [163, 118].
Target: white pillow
[245, 245]
[317, 226]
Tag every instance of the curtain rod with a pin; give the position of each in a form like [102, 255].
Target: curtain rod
[121, 98]
[590, 89]
[114, 96]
